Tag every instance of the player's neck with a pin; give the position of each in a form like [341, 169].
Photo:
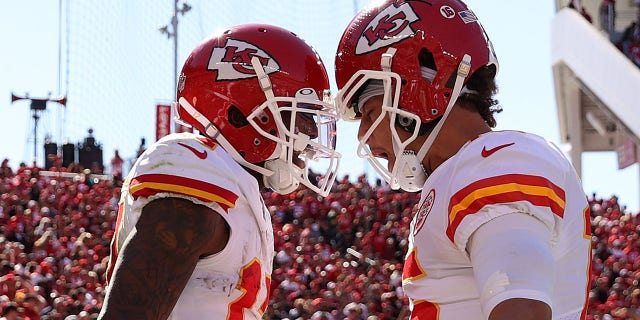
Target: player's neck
[460, 127]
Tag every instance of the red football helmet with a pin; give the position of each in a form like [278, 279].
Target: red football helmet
[383, 43]
[261, 92]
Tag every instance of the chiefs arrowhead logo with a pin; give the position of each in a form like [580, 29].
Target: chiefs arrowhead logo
[391, 25]
[423, 212]
[233, 61]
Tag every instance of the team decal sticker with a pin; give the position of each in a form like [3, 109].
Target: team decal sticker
[468, 16]
[423, 212]
[233, 60]
[447, 12]
[391, 25]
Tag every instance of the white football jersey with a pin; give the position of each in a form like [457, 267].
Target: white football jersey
[496, 174]
[234, 283]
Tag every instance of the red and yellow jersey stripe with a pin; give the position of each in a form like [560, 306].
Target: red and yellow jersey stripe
[147, 185]
[536, 190]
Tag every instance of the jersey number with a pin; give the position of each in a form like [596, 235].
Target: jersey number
[249, 284]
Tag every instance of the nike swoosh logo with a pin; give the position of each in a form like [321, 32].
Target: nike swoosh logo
[485, 153]
[200, 154]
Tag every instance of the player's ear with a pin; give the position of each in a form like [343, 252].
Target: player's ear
[236, 118]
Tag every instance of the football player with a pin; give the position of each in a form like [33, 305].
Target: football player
[502, 230]
[193, 238]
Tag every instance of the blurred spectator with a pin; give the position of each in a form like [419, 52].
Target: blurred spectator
[53, 248]
[11, 311]
[5, 169]
[321, 315]
[117, 166]
[142, 147]
[630, 43]
[585, 14]
[32, 304]
[626, 37]
[355, 311]
[607, 15]
[580, 8]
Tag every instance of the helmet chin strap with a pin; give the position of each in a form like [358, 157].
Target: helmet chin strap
[411, 174]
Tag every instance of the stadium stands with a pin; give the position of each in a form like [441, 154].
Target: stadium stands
[338, 257]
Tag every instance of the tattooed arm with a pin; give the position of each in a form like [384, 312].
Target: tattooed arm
[160, 256]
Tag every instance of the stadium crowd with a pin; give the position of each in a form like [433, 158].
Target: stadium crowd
[338, 257]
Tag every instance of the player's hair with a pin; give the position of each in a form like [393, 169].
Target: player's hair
[484, 83]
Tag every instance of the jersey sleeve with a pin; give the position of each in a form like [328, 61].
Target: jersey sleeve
[522, 267]
[525, 178]
[185, 168]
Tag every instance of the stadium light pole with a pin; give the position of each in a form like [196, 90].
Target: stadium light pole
[37, 106]
[173, 33]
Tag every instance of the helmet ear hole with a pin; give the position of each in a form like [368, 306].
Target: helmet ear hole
[451, 81]
[425, 57]
[236, 118]
[406, 123]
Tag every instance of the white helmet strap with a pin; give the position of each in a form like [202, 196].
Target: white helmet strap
[263, 78]
[463, 70]
[411, 175]
[282, 180]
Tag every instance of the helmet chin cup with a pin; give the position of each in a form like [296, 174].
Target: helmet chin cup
[410, 175]
[282, 180]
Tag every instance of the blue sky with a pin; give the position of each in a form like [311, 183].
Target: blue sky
[115, 66]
